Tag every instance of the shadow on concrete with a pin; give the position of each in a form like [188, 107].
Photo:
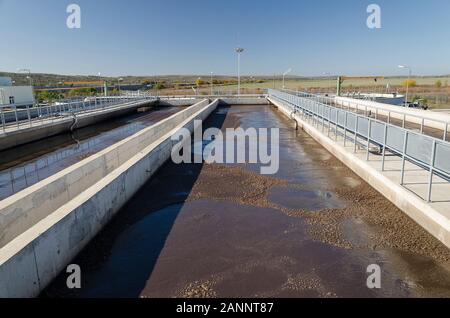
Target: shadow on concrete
[121, 258]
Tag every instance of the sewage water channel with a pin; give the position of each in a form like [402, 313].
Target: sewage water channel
[224, 230]
[26, 165]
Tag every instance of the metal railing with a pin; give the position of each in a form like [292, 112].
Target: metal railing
[376, 111]
[17, 178]
[24, 116]
[243, 96]
[423, 151]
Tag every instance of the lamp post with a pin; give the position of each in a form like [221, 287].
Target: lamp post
[24, 70]
[118, 83]
[199, 81]
[105, 88]
[28, 78]
[407, 82]
[284, 76]
[239, 51]
[212, 90]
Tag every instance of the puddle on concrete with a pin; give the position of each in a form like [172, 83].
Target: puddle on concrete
[293, 198]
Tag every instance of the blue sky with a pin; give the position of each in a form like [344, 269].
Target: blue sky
[149, 37]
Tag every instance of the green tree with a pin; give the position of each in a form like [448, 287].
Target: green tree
[159, 86]
[438, 84]
[82, 92]
[47, 96]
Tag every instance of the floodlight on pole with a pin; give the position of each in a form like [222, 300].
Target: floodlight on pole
[24, 70]
[118, 82]
[284, 76]
[28, 77]
[407, 82]
[212, 89]
[239, 51]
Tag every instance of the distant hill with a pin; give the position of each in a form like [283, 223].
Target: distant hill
[53, 80]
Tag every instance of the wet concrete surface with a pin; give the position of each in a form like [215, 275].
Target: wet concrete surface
[219, 230]
[26, 165]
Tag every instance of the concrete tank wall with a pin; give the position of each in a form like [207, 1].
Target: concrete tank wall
[29, 262]
[244, 101]
[24, 209]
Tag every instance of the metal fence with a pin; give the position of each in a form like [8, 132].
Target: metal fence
[375, 111]
[426, 152]
[28, 115]
[15, 179]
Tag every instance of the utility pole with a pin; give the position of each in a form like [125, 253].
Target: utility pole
[239, 51]
[118, 82]
[212, 73]
[407, 82]
[284, 76]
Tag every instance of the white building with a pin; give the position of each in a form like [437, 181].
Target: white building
[19, 95]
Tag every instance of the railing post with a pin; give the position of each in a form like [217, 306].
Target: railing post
[356, 132]
[368, 139]
[345, 129]
[15, 113]
[336, 125]
[433, 158]
[445, 131]
[405, 142]
[29, 115]
[323, 117]
[383, 160]
[3, 118]
[41, 116]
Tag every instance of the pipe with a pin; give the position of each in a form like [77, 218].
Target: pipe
[74, 123]
[295, 120]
